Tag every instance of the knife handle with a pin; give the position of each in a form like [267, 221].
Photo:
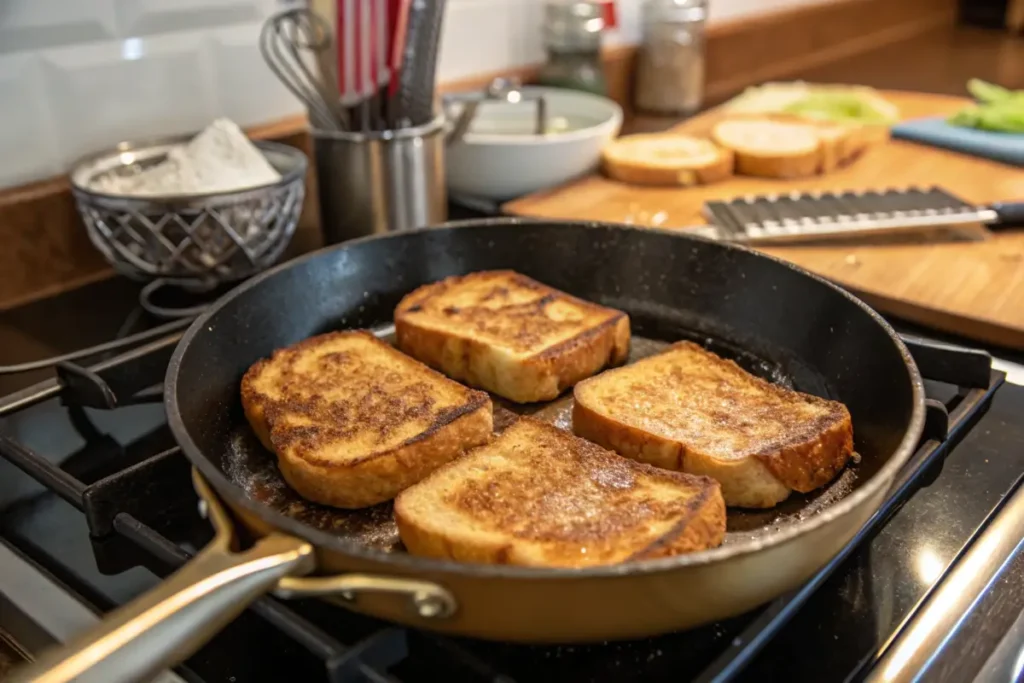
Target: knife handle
[1011, 215]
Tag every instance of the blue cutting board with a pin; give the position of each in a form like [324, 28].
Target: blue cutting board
[1005, 147]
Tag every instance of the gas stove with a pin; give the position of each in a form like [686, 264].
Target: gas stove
[96, 504]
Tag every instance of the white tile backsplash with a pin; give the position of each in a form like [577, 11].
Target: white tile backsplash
[104, 93]
[245, 89]
[527, 38]
[479, 36]
[28, 149]
[34, 24]
[146, 17]
[79, 75]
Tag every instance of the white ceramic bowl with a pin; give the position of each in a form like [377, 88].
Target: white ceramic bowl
[500, 157]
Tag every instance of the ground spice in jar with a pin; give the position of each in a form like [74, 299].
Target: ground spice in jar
[670, 63]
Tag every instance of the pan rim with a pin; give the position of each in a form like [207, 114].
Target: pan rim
[421, 565]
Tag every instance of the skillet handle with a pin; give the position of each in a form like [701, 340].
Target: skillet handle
[950, 363]
[166, 625]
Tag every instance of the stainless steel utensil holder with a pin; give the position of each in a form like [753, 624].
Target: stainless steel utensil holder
[378, 182]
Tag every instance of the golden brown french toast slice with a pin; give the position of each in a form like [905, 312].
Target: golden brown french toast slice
[688, 409]
[539, 496]
[354, 421]
[508, 334]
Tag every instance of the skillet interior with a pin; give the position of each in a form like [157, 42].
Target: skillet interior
[254, 469]
[772, 319]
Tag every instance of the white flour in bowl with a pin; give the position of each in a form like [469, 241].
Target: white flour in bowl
[219, 159]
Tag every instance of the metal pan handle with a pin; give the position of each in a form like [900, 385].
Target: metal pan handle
[166, 625]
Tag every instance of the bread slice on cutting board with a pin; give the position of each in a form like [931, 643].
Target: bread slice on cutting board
[539, 496]
[353, 421]
[666, 159]
[509, 334]
[839, 144]
[842, 143]
[770, 148]
[688, 409]
[786, 146]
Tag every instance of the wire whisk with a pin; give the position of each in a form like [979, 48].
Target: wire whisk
[287, 40]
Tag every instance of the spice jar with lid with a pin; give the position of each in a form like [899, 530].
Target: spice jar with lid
[670, 63]
[572, 38]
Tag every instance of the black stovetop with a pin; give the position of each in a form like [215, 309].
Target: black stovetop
[835, 634]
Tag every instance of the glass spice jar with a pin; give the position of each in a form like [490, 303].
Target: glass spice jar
[572, 38]
[670, 63]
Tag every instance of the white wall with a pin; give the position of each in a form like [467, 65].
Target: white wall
[81, 75]
[490, 35]
[724, 10]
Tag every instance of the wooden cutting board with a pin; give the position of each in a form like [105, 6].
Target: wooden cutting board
[973, 289]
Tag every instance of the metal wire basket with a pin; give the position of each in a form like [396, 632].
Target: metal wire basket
[194, 241]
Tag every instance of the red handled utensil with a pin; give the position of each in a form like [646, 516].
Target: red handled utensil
[398, 22]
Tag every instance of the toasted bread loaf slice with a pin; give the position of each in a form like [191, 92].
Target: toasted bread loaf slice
[838, 145]
[666, 159]
[503, 332]
[353, 421]
[540, 496]
[842, 143]
[687, 409]
[874, 134]
[771, 148]
[780, 145]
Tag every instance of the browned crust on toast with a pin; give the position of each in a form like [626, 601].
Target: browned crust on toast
[387, 474]
[817, 459]
[812, 454]
[842, 143]
[515, 501]
[799, 165]
[704, 528]
[839, 144]
[771, 161]
[375, 475]
[541, 375]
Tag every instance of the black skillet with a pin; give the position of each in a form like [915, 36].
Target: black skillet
[774, 319]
